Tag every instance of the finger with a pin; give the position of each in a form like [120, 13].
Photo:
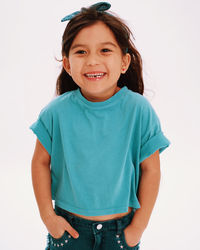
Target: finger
[72, 231]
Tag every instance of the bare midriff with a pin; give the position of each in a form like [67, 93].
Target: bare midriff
[103, 217]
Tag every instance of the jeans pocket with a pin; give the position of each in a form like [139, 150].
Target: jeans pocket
[123, 239]
[59, 237]
[54, 243]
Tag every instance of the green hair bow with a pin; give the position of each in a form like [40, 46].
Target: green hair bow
[101, 6]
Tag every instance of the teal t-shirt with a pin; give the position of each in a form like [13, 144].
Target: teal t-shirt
[96, 149]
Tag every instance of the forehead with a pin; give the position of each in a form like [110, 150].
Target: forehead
[96, 33]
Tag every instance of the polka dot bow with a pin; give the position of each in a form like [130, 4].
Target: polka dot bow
[101, 6]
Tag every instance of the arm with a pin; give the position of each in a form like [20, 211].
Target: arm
[148, 190]
[41, 179]
[147, 193]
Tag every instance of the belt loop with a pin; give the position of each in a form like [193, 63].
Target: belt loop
[119, 226]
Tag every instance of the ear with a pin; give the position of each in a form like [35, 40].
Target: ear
[66, 65]
[126, 60]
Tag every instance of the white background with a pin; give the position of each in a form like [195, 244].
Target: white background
[167, 36]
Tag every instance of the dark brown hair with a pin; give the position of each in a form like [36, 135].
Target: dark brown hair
[133, 78]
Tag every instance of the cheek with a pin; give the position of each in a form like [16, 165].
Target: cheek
[115, 62]
[115, 69]
[76, 66]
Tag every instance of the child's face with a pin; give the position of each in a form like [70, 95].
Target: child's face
[95, 50]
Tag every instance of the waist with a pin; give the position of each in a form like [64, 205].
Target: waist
[98, 218]
[89, 224]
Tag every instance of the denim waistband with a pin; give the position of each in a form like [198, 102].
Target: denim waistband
[115, 224]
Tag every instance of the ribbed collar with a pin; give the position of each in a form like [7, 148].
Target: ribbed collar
[110, 101]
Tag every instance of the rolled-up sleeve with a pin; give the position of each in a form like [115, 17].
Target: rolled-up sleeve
[42, 128]
[152, 136]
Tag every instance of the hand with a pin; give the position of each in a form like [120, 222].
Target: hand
[57, 225]
[132, 235]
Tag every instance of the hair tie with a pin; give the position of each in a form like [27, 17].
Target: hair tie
[101, 6]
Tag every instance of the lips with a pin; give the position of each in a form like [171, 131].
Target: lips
[95, 75]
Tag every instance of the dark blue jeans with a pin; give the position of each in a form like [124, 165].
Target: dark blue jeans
[93, 235]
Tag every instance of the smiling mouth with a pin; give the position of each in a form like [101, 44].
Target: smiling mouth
[96, 76]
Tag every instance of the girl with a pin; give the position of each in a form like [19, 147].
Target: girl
[98, 141]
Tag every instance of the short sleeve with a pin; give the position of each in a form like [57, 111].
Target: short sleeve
[152, 136]
[42, 127]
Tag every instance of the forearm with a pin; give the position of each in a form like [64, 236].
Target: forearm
[41, 180]
[147, 194]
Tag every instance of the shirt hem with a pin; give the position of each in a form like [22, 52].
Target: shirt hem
[94, 212]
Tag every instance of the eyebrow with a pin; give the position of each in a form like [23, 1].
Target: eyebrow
[84, 45]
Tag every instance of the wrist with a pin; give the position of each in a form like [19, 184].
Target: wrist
[138, 223]
[47, 216]
[138, 227]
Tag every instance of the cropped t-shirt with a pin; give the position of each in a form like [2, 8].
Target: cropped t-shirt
[96, 149]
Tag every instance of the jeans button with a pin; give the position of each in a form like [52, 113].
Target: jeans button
[99, 226]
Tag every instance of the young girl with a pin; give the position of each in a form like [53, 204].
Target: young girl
[98, 141]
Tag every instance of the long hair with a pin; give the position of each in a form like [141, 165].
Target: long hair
[133, 78]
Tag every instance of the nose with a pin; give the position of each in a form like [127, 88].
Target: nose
[92, 59]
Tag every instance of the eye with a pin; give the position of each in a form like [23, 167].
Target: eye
[80, 52]
[106, 50]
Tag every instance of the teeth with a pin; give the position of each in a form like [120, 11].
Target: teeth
[95, 75]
